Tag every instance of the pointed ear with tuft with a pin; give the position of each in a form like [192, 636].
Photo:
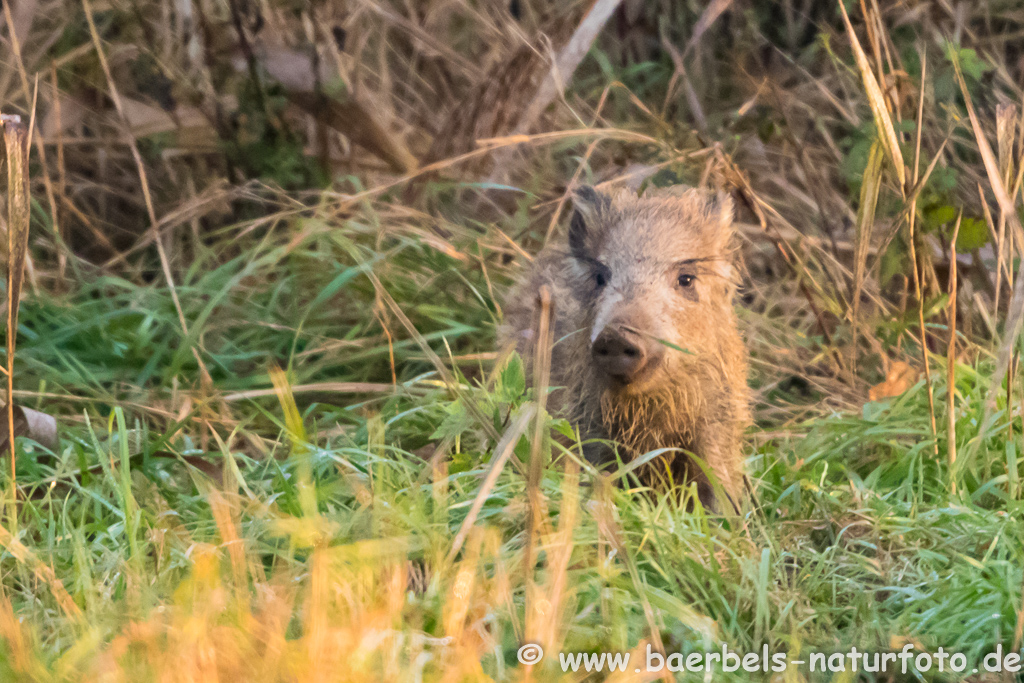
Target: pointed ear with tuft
[719, 212]
[589, 208]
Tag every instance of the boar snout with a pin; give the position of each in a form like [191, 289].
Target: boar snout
[624, 355]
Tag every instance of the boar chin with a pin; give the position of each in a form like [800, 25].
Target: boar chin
[657, 414]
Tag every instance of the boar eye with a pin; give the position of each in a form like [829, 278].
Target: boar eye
[686, 280]
[600, 273]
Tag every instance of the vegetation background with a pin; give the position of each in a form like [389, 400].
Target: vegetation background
[264, 431]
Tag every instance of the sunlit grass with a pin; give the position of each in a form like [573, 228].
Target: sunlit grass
[316, 541]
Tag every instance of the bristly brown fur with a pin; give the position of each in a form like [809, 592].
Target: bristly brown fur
[697, 398]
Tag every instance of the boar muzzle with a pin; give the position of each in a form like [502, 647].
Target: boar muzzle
[624, 354]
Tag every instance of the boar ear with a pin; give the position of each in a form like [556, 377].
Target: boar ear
[719, 213]
[588, 207]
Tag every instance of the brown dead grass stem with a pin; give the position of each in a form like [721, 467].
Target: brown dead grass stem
[560, 549]
[566, 62]
[951, 359]
[883, 120]
[42, 571]
[592, 147]
[761, 210]
[1015, 311]
[869, 190]
[30, 97]
[450, 382]
[911, 243]
[603, 511]
[165, 263]
[318, 387]
[18, 217]
[535, 615]
[487, 146]
[62, 180]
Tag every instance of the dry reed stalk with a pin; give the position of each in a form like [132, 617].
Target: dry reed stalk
[1001, 268]
[760, 208]
[565, 64]
[62, 181]
[325, 387]
[488, 145]
[226, 518]
[869, 190]
[446, 376]
[883, 121]
[1015, 312]
[535, 616]
[1015, 309]
[1005, 133]
[951, 359]
[18, 216]
[560, 553]
[911, 240]
[30, 97]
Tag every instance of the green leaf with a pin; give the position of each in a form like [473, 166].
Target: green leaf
[973, 235]
[972, 65]
[939, 216]
[455, 422]
[512, 381]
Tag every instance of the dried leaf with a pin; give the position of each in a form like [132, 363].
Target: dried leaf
[39, 427]
[145, 119]
[1006, 132]
[882, 119]
[899, 378]
[359, 125]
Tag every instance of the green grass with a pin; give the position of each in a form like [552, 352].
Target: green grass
[854, 539]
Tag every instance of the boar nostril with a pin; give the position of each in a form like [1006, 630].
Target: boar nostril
[621, 354]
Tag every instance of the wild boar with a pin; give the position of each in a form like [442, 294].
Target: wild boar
[646, 345]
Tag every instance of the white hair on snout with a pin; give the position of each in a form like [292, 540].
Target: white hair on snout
[607, 308]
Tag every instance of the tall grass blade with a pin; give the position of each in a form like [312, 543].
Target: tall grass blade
[951, 359]
[865, 226]
[883, 121]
